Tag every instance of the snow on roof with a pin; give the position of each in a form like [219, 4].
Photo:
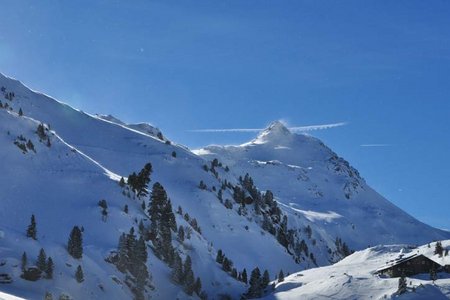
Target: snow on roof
[426, 251]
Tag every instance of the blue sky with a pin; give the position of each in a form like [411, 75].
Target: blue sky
[381, 66]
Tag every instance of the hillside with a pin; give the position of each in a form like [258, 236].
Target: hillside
[355, 278]
[59, 163]
[312, 181]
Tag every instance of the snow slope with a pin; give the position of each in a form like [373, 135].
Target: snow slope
[354, 278]
[310, 180]
[62, 184]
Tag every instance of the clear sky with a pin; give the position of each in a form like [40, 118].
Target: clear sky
[381, 66]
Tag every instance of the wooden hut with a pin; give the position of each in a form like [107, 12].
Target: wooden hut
[411, 265]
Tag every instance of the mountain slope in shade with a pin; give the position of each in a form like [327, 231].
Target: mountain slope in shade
[61, 185]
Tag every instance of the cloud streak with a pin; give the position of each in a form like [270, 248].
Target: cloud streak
[294, 129]
[375, 145]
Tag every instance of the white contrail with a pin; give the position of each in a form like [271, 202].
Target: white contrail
[227, 130]
[375, 145]
[296, 129]
[317, 127]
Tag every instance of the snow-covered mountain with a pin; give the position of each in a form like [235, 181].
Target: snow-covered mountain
[58, 163]
[313, 182]
[141, 127]
[356, 277]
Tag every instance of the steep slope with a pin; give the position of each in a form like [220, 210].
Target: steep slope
[63, 183]
[355, 278]
[312, 181]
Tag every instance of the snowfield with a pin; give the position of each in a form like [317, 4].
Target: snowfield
[60, 178]
[355, 278]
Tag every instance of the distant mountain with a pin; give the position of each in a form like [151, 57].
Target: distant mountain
[145, 128]
[312, 181]
[65, 166]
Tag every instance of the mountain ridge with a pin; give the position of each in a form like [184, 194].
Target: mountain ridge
[85, 156]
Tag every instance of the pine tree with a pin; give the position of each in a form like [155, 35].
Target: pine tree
[49, 268]
[198, 286]
[220, 256]
[48, 296]
[281, 276]
[244, 276]
[141, 227]
[41, 262]
[265, 279]
[226, 265]
[24, 261]
[31, 230]
[188, 275]
[181, 233]
[162, 222]
[122, 182]
[402, 285]
[234, 273]
[79, 275]
[255, 291]
[41, 131]
[433, 274]
[125, 209]
[177, 270]
[20, 112]
[167, 216]
[75, 243]
[439, 250]
[122, 260]
[144, 179]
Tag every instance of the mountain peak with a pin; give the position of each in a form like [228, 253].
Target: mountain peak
[276, 132]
